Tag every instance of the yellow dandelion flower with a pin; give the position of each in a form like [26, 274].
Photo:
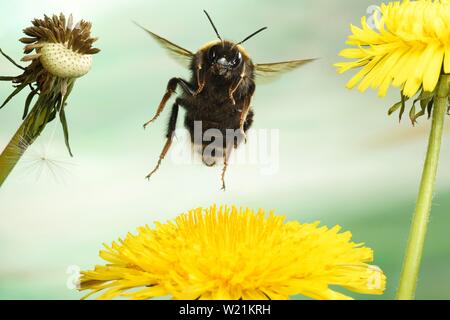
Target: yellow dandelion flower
[406, 45]
[231, 254]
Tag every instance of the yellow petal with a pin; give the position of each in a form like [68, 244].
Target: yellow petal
[360, 75]
[447, 59]
[384, 76]
[415, 74]
[433, 70]
[352, 53]
[148, 293]
[254, 295]
[333, 295]
[368, 80]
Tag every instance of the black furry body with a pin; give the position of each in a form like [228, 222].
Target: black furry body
[213, 106]
[217, 102]
[217, 97]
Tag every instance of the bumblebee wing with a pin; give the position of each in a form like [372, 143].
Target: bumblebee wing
[266, 72]
[181, 55]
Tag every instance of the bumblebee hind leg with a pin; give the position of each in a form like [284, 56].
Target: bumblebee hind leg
[226, 158]
[170, 133]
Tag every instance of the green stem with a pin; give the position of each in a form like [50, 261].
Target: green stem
[12, 154]
[411, 264]
[21, 140]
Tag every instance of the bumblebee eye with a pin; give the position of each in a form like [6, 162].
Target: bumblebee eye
[212, 54]
[237, 60]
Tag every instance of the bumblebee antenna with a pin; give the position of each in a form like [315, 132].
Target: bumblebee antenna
[252, 35]
[214, 27]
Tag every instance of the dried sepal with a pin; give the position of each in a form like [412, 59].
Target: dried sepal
[426, 104]
[58, 52]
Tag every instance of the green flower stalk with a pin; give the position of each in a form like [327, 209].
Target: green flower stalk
[59, 52]
[407, 45]
[416, 241]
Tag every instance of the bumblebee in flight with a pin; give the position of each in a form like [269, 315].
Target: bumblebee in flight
[218, 95]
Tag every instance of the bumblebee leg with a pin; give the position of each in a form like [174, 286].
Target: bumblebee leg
[171, 87]
[243, 118]
[170, 132]
[200, 77]
[234, 88]
[186, 86]
[226, 159]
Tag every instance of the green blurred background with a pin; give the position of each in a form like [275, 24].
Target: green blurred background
[342, 160]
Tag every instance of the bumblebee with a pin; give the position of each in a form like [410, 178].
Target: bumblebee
[218, 96]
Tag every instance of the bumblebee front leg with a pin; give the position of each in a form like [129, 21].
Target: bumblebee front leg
[234, 88]
[243, 118]
[170, 133]
[171, 87]
[245, 111]
[200, 77]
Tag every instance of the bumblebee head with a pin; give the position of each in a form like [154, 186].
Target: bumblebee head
[225, 57]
